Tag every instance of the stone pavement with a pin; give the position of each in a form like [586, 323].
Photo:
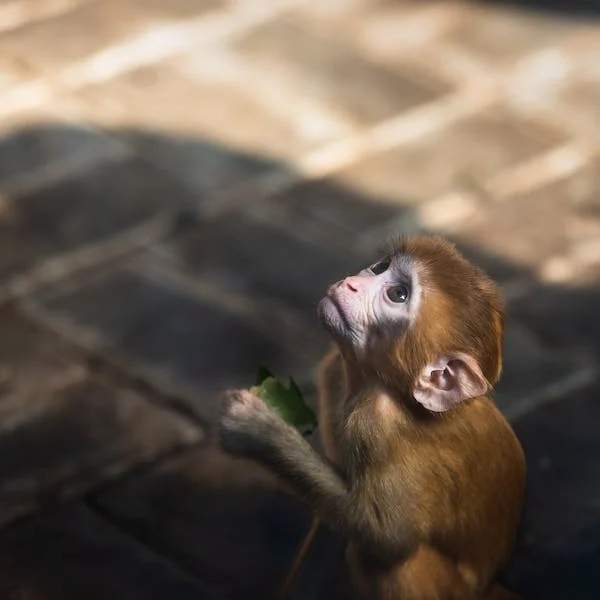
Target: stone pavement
[178, 183]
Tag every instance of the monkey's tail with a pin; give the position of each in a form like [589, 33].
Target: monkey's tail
[298, 560]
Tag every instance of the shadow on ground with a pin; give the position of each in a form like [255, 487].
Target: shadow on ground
[196, 308]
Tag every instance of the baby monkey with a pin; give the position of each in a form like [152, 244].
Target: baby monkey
[422, 475]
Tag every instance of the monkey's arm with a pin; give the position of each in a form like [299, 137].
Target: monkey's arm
[249, 428]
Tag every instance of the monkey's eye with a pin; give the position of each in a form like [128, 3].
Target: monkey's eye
[380, 267]
[398, 293]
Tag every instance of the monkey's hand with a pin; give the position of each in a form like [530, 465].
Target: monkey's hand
[248, 426]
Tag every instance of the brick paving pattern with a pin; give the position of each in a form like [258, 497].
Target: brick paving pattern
[180, 180]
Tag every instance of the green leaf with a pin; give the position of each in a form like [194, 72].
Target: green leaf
[286, 400]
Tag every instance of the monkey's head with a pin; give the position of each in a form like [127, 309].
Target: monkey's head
[422, 320]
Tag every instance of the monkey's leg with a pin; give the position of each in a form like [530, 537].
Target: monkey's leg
[303, 550]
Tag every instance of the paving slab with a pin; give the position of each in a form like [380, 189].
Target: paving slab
[178, 9]
[540, 224]
[63, 430]
[558, 555]
[532, 365]
[498, 36]
[71, 553]
[354, 19]
[253, 525]
[54, 43]
[562, 315]
[89, 206]
[582, 99]
[47, 46]
[38, 142]
[248, 256]
[504, 272]
[335, 215]
[334, 76]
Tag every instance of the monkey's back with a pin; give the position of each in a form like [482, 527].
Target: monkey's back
[481, 454]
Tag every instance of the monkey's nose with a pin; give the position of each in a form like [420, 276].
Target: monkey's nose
[352, 283]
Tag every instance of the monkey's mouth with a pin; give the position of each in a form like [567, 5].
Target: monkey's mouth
[332, 314]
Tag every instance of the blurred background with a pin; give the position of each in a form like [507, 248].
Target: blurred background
[181, 179]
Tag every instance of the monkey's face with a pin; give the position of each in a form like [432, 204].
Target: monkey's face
[422, 319]
[374, 307]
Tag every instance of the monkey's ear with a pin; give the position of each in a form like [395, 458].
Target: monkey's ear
[448, 381]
